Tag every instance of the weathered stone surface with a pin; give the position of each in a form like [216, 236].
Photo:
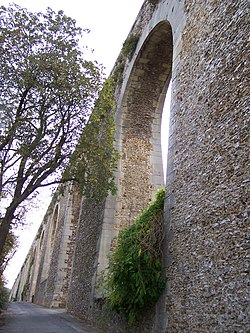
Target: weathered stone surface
[209, 221]
[51, 254]
[81, 288]
[202, 45]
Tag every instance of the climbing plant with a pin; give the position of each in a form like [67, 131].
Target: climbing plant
[127, 52]
[134, 279]
[4, 296]
[129, 46]
[94, 160]
[26, 288]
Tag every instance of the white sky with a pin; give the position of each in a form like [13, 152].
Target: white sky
[109, 22]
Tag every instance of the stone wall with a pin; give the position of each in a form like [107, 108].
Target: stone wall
[48, 266]
[209, 146]
[81, 289]
[202, 46]
[58, 249]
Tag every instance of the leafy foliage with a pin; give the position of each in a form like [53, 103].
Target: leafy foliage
[134, 278]
[4, 296]
[47, 93]
[7, 254]
[126, 53]
[8, 251]
[129, 46]
[26, 288]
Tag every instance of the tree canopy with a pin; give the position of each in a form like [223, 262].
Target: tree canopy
[47, 93]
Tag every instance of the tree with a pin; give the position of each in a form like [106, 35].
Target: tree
[9, 251]
[47, 93]
[4, 296]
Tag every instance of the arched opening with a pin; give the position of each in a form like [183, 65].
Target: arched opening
[50, 244]
[141, 171]
[138, 121]
[41, 239]
[165, 130]
[54, 224]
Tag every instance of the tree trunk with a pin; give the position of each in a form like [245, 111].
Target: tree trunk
[5, 228]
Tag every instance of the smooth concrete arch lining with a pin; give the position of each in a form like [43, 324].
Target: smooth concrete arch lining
[48, 250]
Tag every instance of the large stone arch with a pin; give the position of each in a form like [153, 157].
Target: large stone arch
[207, 203]
[140, 101]
[138, 118]
[139, 125]
[138, 121]
[48, 249]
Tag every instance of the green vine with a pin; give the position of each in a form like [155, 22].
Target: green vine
[153, 2]
[26, 287]
[129, 46]
[118, 70]
[127, 51]
[134, 279]
[95, 159]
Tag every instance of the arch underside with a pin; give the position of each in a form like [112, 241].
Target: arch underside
[141, 171]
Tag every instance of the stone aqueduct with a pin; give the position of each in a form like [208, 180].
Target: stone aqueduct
[201, 46]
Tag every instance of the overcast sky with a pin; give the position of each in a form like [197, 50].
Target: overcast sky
[109, 22]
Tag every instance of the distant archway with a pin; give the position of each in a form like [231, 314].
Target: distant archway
[50, 244]
[54, 224]
[41, 240]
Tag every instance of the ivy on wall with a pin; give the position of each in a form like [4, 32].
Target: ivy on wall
[127, 51]
[129, 46]
[153, 2]
[134, 279]
[95, 159]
